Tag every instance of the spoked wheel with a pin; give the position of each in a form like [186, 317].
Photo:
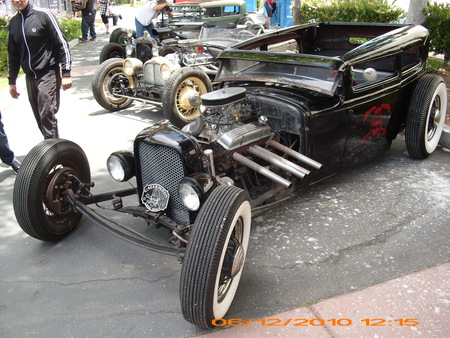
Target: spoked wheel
[426, 116]
[108, 79]
[215, 256]
[181, 96]
[111, 51]
[38, 195]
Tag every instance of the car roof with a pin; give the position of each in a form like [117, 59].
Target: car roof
[399, 38]
[213, 3]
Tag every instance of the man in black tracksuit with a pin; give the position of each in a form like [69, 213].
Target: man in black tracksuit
[37, 43]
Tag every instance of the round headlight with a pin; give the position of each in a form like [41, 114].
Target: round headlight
[132, 66]
[166, 71]
[193, 189]
[121, 166]
[189, 195]
[129, 49]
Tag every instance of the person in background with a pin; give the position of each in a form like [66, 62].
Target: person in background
[104, 13]
[148, 12]
[6, 154]
[37, 43]
[114, 14]
[268, 9]
[88, 21]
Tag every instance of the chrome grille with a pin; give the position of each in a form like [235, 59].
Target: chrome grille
[163, 165]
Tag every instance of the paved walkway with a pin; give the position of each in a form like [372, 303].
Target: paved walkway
[416, 305]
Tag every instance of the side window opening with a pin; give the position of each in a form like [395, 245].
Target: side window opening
[374, 71]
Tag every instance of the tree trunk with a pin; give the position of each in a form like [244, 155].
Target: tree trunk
[415, 12]
[296, 14]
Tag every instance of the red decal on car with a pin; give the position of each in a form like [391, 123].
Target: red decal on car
[376, 121]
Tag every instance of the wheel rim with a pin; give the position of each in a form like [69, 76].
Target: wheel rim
[54, 207]
[232, 260]
[53, 203]
[435, 119]
[188, 96]
[113, 81]
[123, 40]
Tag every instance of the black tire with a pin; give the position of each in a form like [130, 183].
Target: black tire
[183, 89]
[163, 51]
[256, 27]
[111, 51]
[215, 255]
[119, 36]
[426, 116]
[245, 21]
[107, 77]
[38, 202]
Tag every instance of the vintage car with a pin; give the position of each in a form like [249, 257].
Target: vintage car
[294, 106]
[186, 23]
[174, 79]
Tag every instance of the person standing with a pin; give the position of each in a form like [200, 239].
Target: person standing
[148, 12]
[268, 8]
[104, 13]
[6, 154]
[37, 43]
[88, 21]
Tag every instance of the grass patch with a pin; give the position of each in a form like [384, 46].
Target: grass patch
[434, 64]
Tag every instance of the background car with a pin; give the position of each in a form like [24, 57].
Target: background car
[164, 81]
[293, 107]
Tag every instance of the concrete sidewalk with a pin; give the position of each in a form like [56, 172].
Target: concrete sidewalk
[415, 305]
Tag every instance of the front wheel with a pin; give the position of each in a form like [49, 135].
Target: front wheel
[426, 116]
[38, 195]
[181, 96]
[111, 51]
[215, 256]
[109, 79]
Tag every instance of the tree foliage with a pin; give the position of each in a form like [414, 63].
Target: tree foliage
[349, 11]
[438, 23]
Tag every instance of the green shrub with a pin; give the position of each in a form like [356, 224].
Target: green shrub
[438, 23]
[349, 11]
[3, 45]
[72, 28]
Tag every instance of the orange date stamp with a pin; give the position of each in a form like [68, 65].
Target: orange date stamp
[316, 322]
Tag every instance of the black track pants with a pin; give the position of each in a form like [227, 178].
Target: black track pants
[44, 96]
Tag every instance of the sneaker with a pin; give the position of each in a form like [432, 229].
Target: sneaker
[107, 33]
[92, 39]
[15, 165]
[82, 40]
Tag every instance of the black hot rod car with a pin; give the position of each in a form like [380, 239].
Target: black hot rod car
[294, 106]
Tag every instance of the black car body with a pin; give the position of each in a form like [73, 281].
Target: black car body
[294, 106]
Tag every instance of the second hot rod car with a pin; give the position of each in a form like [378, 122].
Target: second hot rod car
[280, 121]
[173, 77]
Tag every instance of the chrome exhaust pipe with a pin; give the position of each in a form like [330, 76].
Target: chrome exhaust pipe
[278, 161]
[295, 154]
[260, 169]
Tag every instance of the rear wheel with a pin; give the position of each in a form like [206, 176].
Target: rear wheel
[108, 79]
[38, 195]
[215, 256]
[426, 116]
[163, 51]
[181, 96]
[119, 36]
[112, 50]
